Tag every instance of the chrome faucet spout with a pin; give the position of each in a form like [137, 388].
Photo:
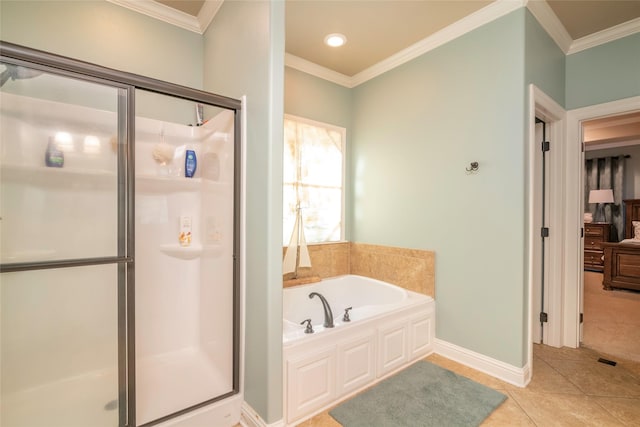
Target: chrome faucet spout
[328, 314]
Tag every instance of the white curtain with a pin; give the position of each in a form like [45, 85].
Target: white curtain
[603, 174]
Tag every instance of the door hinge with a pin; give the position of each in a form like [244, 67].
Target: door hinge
[544, 232]
[543, 317]
[582, 232]
[545, 146]
[581, 317]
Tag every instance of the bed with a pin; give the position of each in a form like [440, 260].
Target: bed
[622, 260]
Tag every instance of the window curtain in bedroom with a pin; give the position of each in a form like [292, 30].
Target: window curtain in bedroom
[602, 174]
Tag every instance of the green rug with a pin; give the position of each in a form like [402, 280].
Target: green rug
[421, 395]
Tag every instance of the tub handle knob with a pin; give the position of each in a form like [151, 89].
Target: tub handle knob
[346, 318]
[309, 328]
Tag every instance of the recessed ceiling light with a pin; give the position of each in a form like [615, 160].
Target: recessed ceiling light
[335, 40]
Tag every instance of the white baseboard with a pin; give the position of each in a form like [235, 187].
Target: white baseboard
[250, 418]
[508, 373]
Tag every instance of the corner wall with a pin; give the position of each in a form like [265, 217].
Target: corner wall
[415, 130]
[244, 55]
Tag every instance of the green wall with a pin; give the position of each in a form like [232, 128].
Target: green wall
[316, 99]
[244, 55]
[105, 34]
[415, 130]
[604, 73]
[544, 60]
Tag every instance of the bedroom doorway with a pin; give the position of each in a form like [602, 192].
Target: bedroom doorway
[573, 257]
[611, 318]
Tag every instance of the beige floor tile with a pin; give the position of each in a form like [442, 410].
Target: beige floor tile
[632, 367]
[624, 409]
[547, 379]
[508, 414]
[599, 379]
[321, 420]
[547, 353]
[566, 410]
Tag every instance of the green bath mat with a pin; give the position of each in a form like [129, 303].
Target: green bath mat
[421, 395]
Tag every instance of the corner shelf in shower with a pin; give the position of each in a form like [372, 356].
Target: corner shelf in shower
[42, 175]
[155, 183]
[190, 252]
[182, 252]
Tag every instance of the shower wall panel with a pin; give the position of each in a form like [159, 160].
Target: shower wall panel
[184, 296]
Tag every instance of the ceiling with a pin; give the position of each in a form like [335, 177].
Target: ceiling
[607, 132]
[378, 29]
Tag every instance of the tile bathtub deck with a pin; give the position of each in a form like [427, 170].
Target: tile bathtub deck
[569, 388]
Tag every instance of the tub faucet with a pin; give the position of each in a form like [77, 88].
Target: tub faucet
[328, 315]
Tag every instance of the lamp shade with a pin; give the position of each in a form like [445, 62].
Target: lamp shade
[601, 196]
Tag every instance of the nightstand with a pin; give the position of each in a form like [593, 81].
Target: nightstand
[595, 234]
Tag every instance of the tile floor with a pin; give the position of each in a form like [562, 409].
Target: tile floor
[569, 388]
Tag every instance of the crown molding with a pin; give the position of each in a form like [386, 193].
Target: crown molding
[546, 17]
[605, 36]
[316, 70]
[172, 16]
[469, 23]
[608, 145]
[209, 10]
[477, 19]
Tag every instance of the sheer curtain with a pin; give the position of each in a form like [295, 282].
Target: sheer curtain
[606, 173]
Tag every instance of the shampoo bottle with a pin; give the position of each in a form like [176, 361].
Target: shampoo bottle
[185, 231]
[190, 163]
[53, 157]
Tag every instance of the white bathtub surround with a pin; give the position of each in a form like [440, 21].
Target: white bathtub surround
[390, 327]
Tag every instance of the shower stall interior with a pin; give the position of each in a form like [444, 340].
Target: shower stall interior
[119, 246]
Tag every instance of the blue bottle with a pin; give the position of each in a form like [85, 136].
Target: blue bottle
[190, 164]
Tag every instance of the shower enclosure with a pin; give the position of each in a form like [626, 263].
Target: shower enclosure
[119, 260]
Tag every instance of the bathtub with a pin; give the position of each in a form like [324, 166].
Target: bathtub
[389, 328]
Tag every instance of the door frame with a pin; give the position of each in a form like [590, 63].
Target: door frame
[574, 188]
[543, 106]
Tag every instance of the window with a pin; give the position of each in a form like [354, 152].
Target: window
[313, 179]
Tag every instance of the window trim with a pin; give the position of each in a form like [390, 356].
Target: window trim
[343, 133]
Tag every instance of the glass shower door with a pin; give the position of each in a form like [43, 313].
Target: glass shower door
[184, 222]
[62, 249]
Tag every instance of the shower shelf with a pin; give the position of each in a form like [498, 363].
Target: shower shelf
[190, 252]
[43, 175]
[181, 252]
[167, 183]
[154, 183]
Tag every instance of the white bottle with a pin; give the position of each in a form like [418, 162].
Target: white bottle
[185, 231]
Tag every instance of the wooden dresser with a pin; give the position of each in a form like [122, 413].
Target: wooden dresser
[595, 234]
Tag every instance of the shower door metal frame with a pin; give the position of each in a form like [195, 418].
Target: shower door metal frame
[127, 83]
